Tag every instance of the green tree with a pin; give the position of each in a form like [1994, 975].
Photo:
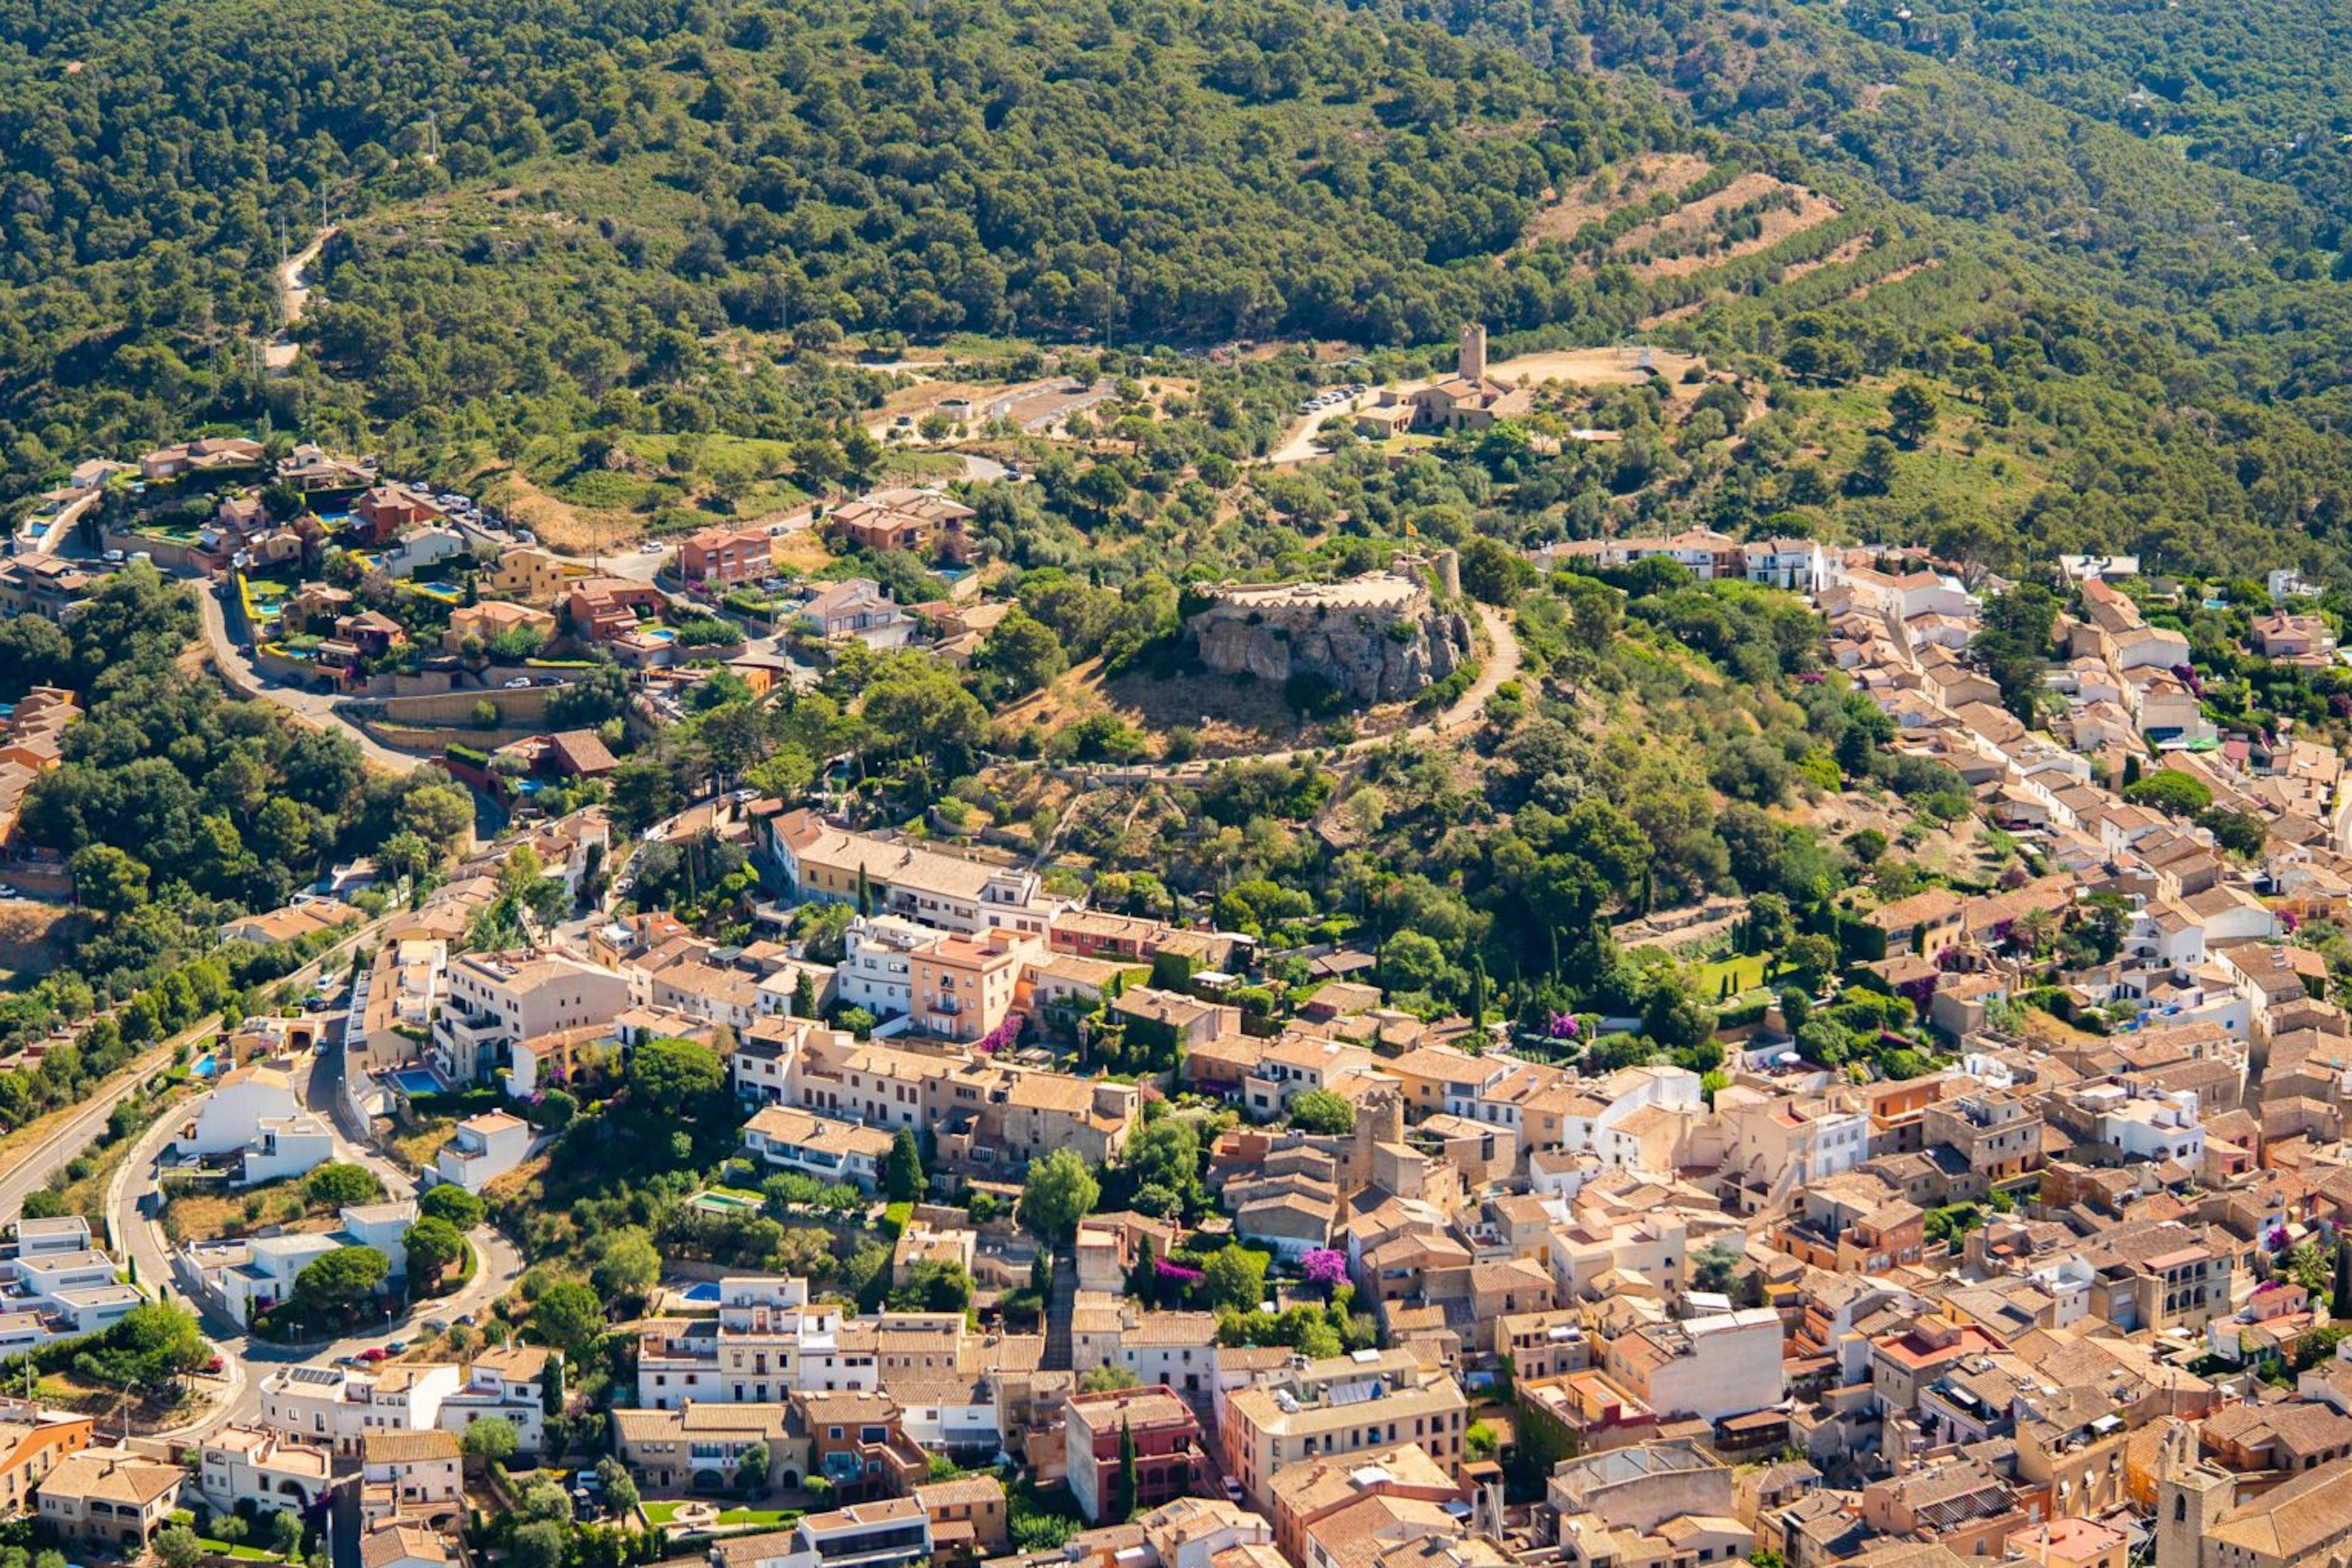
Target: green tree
[340, 1280]
[490, 1441]
[176, 1546]
[539, 1544]
[1911, 414]
[627, 1265]
[338, 1185]
[1235, 1277]
[2173, 793]
[1108, 1376]
[1319, 1111]
[751, 1470]
[1060, 1191]
[107, 880]
[671, 1076]
[1024, 651]
[434, 1246]
[902, 1171]
[286, 1533]
[1125, 1507]
[453, 1203]
[570, 1317]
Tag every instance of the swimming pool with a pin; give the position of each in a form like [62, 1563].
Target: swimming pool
[414, 1081]
[206, 1065]
[705, 1293]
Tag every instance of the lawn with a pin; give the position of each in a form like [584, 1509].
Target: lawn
[770, 1518]
[1747, 972]
[241, 1552]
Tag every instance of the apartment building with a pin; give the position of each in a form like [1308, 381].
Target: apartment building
[1165, 1438]
[1347, 1405]
[495, 1001]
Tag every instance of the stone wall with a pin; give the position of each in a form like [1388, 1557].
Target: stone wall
[1380, 637]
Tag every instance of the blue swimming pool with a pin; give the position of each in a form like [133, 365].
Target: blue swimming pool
[206, 1065]
[703, 1294]
[415, 1080]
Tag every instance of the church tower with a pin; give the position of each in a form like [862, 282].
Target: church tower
[1471, 360]
[2190, 1495]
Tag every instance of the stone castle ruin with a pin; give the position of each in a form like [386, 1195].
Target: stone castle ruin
[1379, 637]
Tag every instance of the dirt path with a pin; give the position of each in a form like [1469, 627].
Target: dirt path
[293, 299]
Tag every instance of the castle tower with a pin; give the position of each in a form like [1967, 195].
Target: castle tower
[1471, 360]
[2190, 1495]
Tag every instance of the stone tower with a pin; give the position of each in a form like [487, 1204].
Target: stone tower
[2189, 1496]
[1471, 360]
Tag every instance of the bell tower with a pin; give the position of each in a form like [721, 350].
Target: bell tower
[2190, 1495]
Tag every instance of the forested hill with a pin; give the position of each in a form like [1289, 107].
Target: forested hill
[658, 218]
[2263, 88]
[1163, 172]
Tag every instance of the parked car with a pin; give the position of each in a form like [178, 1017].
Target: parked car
[438, 1325]
[517, 683]
[371, 1355]
[551, 680]
[112, 558]
[213, 1365]
[650, 547]
[395, 1347]
[8, 892]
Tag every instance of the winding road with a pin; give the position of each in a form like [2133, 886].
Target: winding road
[131, 1216]
[315, 708]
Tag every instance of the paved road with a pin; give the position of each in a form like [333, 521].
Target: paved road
[315, 708]
[29, 1173]
[247, 1360]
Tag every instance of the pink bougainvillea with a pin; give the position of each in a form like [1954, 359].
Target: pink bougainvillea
[1176, 1271]
[1564, 1027]
[1326, 1267]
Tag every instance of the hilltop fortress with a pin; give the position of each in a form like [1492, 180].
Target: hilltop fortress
[1379, 637]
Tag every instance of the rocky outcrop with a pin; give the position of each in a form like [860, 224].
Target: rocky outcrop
[1376, 638]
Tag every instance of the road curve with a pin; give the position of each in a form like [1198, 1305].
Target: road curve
[315, 708]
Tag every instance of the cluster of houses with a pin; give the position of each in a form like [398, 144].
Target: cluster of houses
[389, 1436]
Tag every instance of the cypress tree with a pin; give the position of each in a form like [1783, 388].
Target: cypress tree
[1127, 1467]
[2339, 1304]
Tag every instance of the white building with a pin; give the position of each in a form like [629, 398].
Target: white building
[253, 1467]
[877, 964]
[230, 1119]
[482, 1149]
[497, 1000]
[253, 1274]
[340, 1407]
[285, 1147]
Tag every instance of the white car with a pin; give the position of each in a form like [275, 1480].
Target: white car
[517, 683]
[8, 892]
[649, 548]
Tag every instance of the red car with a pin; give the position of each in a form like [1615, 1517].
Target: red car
[372, 1355]
[213, 1367]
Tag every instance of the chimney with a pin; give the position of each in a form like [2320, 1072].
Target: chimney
[1472, 360]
